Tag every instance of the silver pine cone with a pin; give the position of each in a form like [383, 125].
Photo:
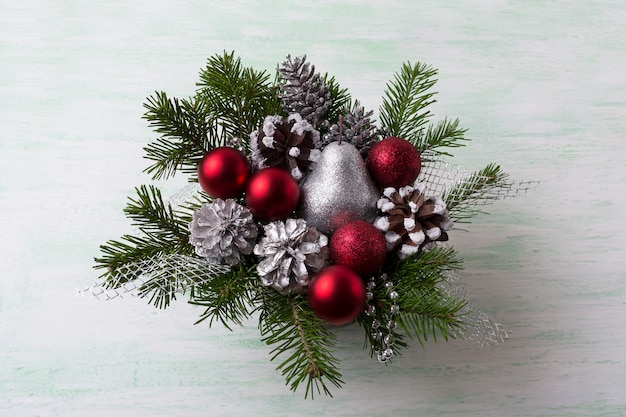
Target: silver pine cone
[302, 90]
[290, 253]
[222, 231]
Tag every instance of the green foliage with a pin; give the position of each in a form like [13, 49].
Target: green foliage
[162, 233]
[231, 102]
[288, 324]
[482, 187]
[445, 134]
[425, 309]
[188, 130]
[229, 297]
[239, 96]
[404, 112]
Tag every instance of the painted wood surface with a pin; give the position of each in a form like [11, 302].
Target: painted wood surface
[539, 84]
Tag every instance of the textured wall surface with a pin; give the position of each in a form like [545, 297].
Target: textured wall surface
[541, 87]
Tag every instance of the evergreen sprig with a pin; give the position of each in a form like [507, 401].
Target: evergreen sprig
[188, 130]
[239, 96]
[288, 324]
[480, 188]
[161, 231]
[425, 309]
[404, 112]
[445, 134]
[228, 298]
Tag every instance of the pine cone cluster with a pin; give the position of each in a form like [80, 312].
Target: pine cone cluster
[290, 143]
[410, 220]
[302, 90]
[358, 129]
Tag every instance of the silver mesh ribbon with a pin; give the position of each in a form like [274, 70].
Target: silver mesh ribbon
[171, 274]
[440, 176]
[479, 328]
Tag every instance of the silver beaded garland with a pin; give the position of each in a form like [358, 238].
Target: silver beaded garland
[382, 336]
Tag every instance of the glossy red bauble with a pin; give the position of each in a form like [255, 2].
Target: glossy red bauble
[337, 294]
[394, 162]
[360, 246]
[272, 194]
[223, 172]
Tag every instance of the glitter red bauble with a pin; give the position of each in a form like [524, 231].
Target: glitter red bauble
[272, 194]
[394, 162]
[360, 246]
[223, 172]
[337, 294]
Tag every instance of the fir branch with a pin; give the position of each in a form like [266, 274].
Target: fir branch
[426, 268]
[152, 215]
[445, 134]
[482, 187]
[228, 297]
[239, 96]
[430, 313]
[403, 111]
[188, 130]
[162, 233]
[297, 333]
[425, 309]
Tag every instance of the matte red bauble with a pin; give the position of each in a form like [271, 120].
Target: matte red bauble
[359, 245]
[223, 172]
[394, 162]
[272, 194]
[337, 294]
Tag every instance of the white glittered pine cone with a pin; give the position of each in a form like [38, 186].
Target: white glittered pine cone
[290, 253]
[290, 143]
[222, 231]
[411, 221]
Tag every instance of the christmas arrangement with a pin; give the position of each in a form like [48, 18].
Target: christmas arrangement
[305, 213]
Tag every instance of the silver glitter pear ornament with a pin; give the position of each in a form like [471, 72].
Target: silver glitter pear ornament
[339, 190]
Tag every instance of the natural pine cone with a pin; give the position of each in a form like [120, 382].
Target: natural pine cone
[358, 129]
[411, 220]
[302, 90]
[290, 143]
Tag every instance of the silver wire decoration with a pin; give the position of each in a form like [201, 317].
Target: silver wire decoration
[169, 274]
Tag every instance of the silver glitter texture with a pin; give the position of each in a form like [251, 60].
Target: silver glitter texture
[291, 252]
[222, 231]
[339, 190]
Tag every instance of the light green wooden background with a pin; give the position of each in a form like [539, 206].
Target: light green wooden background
[540, 85]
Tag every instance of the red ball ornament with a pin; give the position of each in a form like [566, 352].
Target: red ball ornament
[223, 172]
[394, 162]
[272, 194]
[359, 245]
[337, 294]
